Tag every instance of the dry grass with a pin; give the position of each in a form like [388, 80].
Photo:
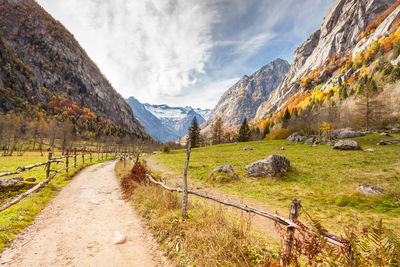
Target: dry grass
[210, 237]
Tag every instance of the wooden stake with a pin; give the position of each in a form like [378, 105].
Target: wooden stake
[293, 215]
[75, 157]
[49, 165]
[185, 185]
[67, 162]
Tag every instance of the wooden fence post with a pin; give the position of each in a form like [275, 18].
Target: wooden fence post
[49, 165]
[185, 186]
[83, 157]
[165, 183]
[67, 162]
[90, 156]
[75, 157]
[293, 215]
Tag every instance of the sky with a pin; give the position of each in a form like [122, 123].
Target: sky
[186, 52]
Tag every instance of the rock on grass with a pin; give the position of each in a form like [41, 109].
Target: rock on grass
[271, 166]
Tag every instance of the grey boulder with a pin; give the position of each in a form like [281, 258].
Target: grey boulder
[346, 145]
[225, 169]
[268, 167]
[11, 181]
[296, 138]
[370, 190]
[346, 133]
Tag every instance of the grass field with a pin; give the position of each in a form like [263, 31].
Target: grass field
[324, 179]
[14, 219]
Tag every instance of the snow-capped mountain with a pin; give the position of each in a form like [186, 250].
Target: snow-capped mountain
[176, 118]
[165, 123]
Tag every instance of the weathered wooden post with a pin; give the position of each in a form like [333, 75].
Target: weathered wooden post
[75, 157]
[67, 162]
[49, 164]
[90, 156]
[165, 183]
[185, 185]
[83, 157]
[293, 215]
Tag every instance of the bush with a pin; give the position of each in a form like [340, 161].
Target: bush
[279, 134]
[166, 148]
[395, 75]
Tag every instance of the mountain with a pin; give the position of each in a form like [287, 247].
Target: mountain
[242, 99]
[338, 35]
[40, 61]
[176, 118]
[153, 125]
[205, 113]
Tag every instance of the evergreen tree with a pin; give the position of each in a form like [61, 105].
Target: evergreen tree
[244, 132]
[265, 132]
[194, 133]
[286, 116]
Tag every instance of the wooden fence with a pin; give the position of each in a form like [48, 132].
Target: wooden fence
[290, 224]
[51, 173]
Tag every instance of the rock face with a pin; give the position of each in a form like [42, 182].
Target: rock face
[40, 58]
[225, 169]
[242, 100]
[340, 30]
[346, 145]
[370, 190]
[269, 167]
[153, 125]
[346, 133]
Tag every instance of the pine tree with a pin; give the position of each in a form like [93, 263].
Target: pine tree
[217, 132]
[194, 133]
[286, 116]
[244, 132]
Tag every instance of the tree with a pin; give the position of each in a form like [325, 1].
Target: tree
[194, 133]
[244, 132]
[217, 132]
[368, 102]
[286, 116]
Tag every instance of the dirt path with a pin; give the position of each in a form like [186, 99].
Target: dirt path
[78, 226]
[175, 179]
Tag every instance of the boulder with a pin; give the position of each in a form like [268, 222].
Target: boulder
[370, 190]
[384, 143]
[329, 143]
[247, 148]
[310, 140]
[268, 167]
[369, 150]
[296, 138]
[225, 169]
[346, 145]
[346, 133]
[10, 182]
[314, 145]
[385, 134]
[282, 148]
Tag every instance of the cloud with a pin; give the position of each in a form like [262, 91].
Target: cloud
[185, 52]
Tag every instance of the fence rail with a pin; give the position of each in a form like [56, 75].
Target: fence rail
[51, 173]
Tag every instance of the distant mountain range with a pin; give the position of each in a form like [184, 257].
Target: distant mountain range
[165, 123]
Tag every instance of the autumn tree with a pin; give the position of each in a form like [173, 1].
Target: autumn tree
[194, 133]
[244, 132]
[217, 132]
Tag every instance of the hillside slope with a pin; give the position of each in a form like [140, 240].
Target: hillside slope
[242, 99]
[40, 59]
[339, 33]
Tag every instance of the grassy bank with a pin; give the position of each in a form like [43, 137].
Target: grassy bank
[324, 179]
[14, 219]
[209, 237]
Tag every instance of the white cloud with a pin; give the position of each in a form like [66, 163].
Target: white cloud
[183, 52]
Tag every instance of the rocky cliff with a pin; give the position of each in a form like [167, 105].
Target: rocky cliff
[41, 59]
[339, 33]
[242, 99]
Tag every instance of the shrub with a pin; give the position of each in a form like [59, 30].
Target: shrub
[166, 148]
[279, 134]
[395, 75]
